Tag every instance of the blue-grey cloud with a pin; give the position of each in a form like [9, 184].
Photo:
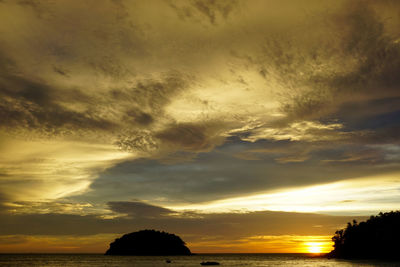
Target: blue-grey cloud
[241, 168]
[138, 209]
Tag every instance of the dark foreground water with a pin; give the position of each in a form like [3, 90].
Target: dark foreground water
[80, 260]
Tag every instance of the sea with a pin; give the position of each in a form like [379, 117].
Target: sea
[81, 260]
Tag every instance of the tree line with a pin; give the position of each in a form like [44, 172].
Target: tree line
[376, 238]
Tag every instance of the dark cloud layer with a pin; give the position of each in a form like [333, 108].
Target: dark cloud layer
[138, 209]
[192, 137]
[33, 105]
[263, 165]
[230, 224]
[351, 59]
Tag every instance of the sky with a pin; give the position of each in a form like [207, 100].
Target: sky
[239, 125]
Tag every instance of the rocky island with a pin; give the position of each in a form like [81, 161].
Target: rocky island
[148, 242]
[376, 238]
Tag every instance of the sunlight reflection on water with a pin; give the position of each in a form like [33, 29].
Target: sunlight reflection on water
[81, 260]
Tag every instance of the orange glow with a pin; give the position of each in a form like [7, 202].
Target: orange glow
[99, 244]
[56, 244]
[266, 244]
[314, 247]
[317, 247]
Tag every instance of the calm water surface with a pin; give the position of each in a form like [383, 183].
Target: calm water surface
[81, 260]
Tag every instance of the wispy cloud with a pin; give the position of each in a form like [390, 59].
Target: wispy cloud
[366, 196]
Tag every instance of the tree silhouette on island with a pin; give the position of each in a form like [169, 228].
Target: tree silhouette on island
[148, 242]
[377, 238]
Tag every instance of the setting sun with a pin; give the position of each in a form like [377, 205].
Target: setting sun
[314, 247]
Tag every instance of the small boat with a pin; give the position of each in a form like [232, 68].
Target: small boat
[209, 263]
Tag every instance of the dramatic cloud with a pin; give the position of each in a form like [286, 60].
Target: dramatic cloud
[150, 111]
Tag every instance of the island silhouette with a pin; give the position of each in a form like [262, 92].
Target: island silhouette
[376, 238]
[148, 242]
